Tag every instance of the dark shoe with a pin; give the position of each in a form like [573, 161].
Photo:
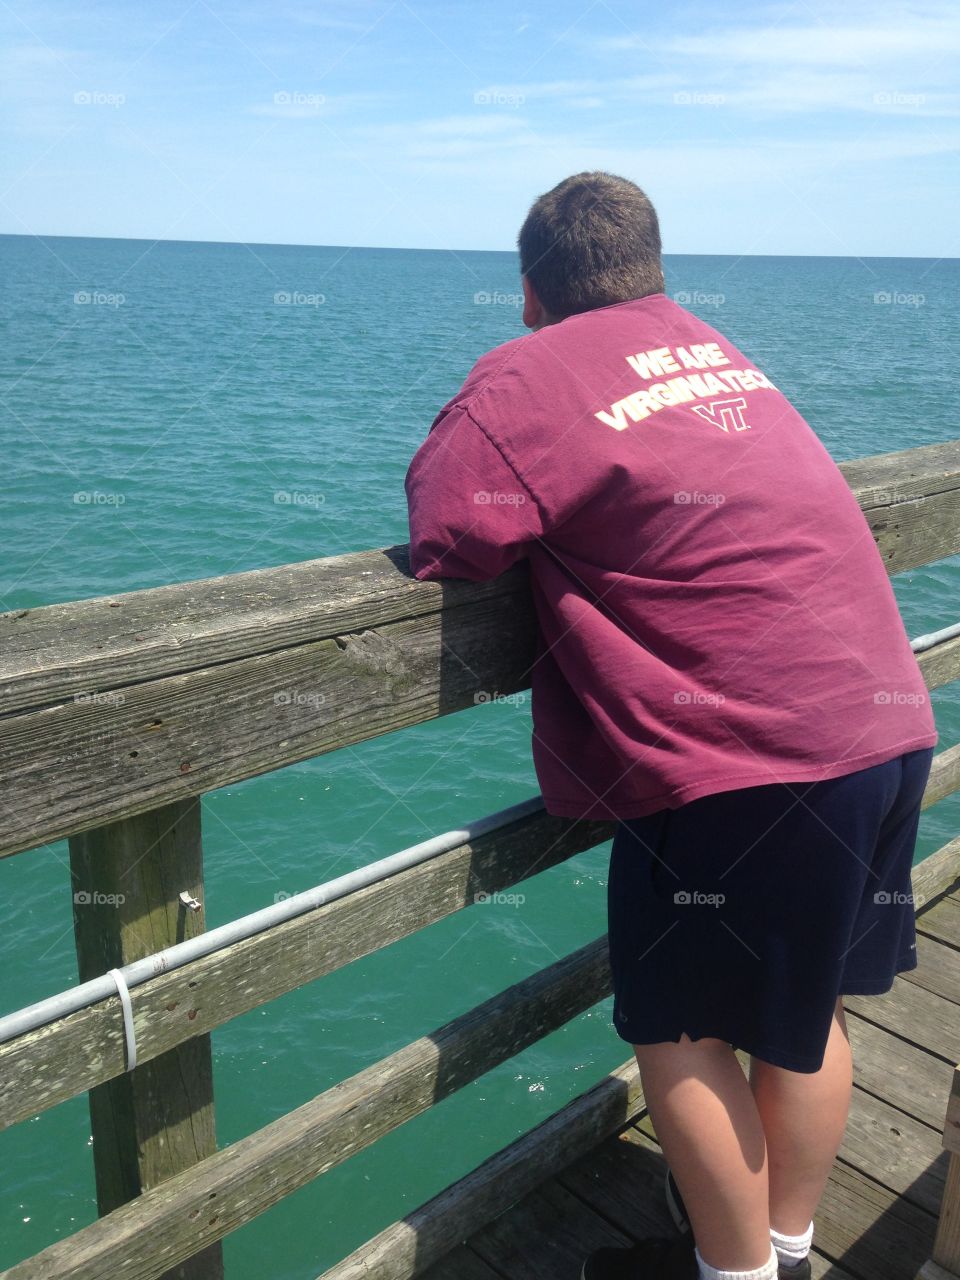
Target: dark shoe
[678, 1213]
[654, 1259]
[800, 1272]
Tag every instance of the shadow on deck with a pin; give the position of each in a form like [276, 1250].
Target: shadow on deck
[878, 1215]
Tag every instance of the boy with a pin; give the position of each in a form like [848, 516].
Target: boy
[723, 670]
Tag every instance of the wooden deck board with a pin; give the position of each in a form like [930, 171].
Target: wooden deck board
[461, 1264]
[545, 1236]
[938, 968]
[899, 1072]
[877, 1218]
[915, 1014]
[942, 920]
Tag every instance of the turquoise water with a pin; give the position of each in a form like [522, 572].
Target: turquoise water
[177, 402]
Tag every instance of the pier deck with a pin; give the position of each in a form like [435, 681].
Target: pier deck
[878, 1215]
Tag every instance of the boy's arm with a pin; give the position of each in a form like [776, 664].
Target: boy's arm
[471, 516]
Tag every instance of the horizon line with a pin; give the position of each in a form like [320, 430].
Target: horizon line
[293, 244]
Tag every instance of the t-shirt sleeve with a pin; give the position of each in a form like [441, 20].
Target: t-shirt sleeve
[471, 516]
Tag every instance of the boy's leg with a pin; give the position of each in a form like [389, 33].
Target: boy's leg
[709, 1128]
[804, 1116]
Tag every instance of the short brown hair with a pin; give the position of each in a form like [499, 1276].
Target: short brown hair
[592, 241]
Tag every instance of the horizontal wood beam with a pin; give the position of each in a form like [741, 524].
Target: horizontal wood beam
[42, 1068]
[78, 765]
[408, 1247]
[189, 1211]
[936, 875]
[86, 1048]
[52, 653]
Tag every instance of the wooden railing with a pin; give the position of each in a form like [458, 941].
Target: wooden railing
[116, 714]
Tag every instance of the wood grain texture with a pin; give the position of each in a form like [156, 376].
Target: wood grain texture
[84, 1049]
[193, 1209]
[138, 700]
[156, 1120]
[405, 1248]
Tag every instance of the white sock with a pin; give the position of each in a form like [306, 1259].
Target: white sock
[791, 1250]
[767, 1272]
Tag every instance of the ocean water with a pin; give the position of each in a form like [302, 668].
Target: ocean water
[155, 399]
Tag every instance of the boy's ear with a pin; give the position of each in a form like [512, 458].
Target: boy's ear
[533, 314]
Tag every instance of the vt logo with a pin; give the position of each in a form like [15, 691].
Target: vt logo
[724, 413]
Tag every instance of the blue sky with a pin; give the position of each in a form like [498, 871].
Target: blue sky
[802, 128]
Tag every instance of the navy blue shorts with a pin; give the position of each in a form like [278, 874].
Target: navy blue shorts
[743, 915]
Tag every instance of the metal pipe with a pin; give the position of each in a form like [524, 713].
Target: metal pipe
[934, 637]
[204, 944]
[140, 971]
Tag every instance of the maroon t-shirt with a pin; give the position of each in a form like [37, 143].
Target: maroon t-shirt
[714, 612]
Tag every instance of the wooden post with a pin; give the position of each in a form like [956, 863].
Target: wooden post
[946, 1248]
[158, 1119]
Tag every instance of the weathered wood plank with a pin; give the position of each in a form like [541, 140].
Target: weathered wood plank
[900, 1073]
[545, 1237]
[941, 664]
[944, 779]
[868, 1229]
[942, 920]
[938, 968]
[192, 733]
[194, 1208]
[946, 1247]
[914, 1014]
[84, 1049]
[156, 1120]
[622, 1179]
[461, 1264]
[932, 1271]
[935, 875]
[49, 654]
[405, 1248]
[53, 652]
[162, 740]
[951, 1125]
[889, 479]
[229, 680]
